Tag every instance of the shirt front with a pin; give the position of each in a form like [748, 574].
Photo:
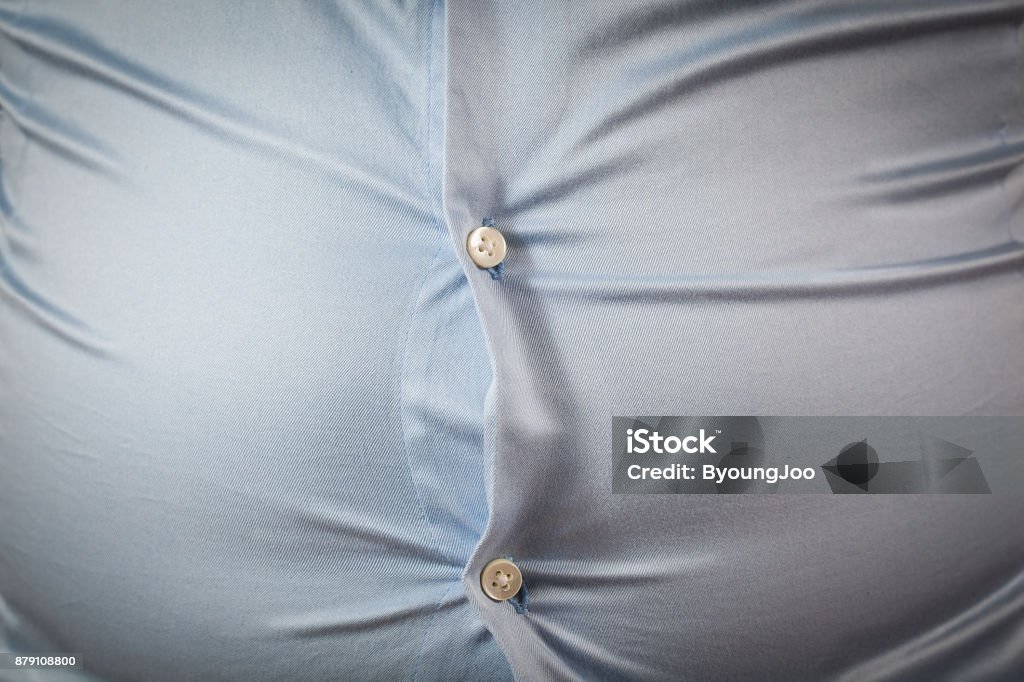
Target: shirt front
[263, 416]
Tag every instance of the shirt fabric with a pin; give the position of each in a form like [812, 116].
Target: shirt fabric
[261, 417]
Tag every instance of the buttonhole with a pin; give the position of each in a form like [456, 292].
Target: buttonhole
[520, 602]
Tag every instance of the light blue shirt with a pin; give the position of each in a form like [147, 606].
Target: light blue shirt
[261, 416]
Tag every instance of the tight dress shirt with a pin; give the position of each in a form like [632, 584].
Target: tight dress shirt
[263, 418]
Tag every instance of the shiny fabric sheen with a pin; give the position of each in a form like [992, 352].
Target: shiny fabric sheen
[262, 418]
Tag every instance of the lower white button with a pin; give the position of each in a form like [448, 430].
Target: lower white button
[501, 579]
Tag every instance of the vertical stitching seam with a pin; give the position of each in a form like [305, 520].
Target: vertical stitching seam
[437, 223]
[426, 629]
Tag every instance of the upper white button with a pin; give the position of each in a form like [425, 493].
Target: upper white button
[486, 247]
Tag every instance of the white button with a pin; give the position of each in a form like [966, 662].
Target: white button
[486, 247]
[501, 579]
